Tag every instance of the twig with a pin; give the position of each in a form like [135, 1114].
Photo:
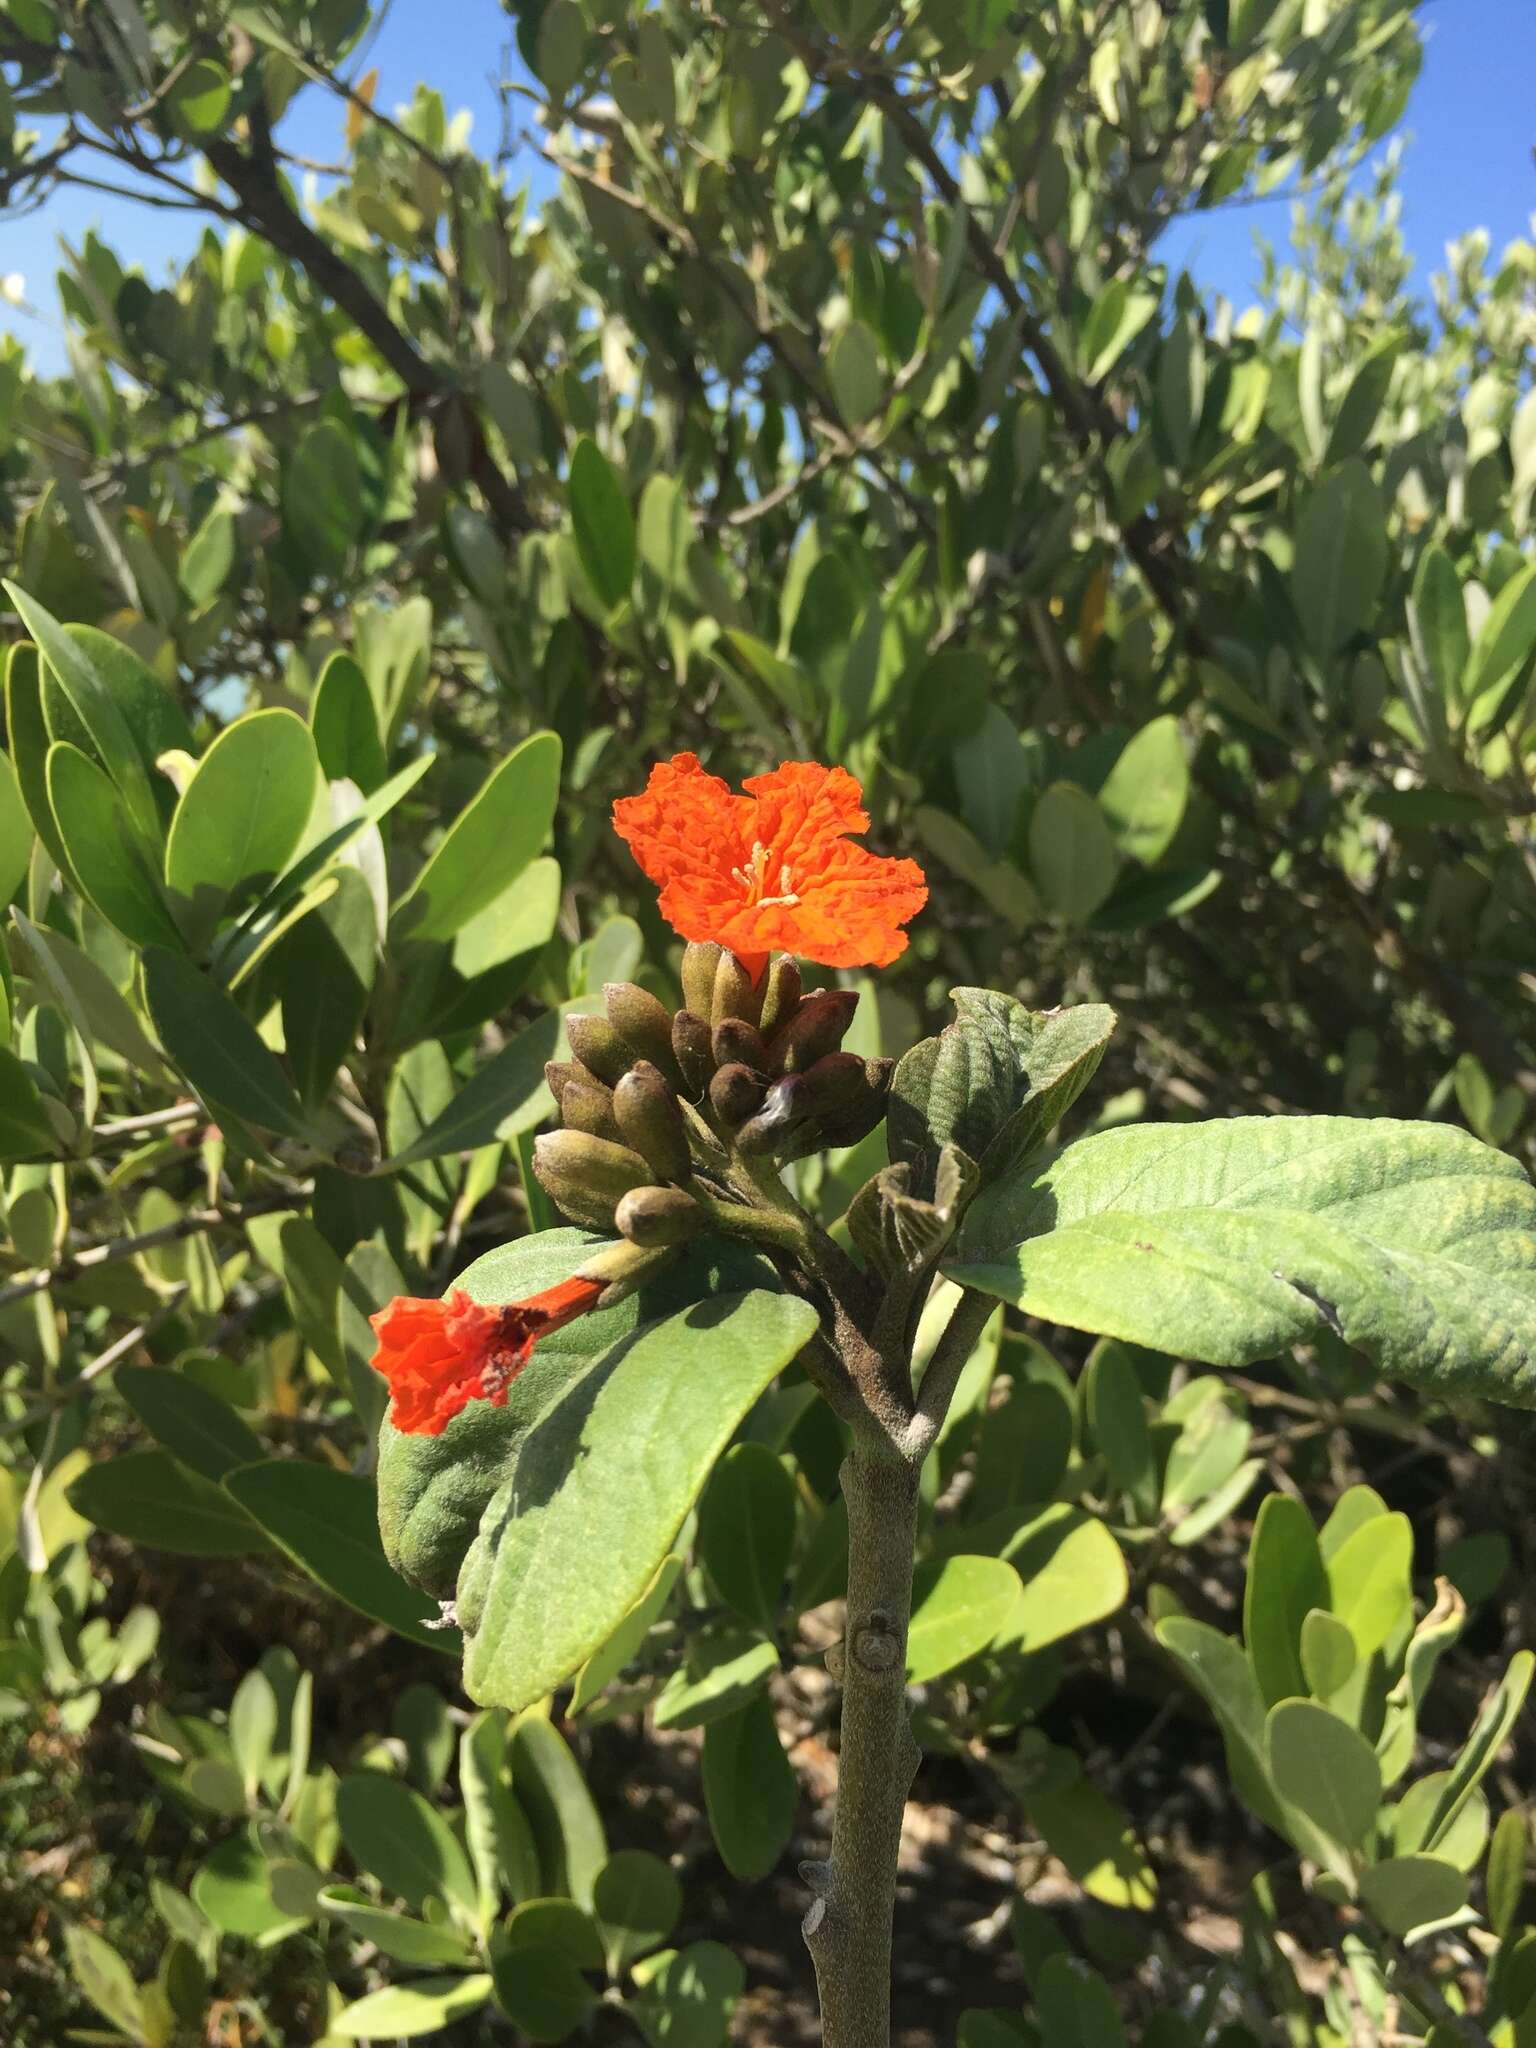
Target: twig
[104, 1253]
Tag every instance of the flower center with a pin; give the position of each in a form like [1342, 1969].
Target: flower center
[754, 879]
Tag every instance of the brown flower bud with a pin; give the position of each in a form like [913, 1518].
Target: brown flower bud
[588, 1106]
[599, 1047]
[736, 1042]
[863, 1108]
[559, 1074]
[816, 1028]
[735, 993]
[690, 1042]
[736, 1093]
[824, 1091]
[700, 960]
[644, 1024]
[585, 1176]
[657, 1216]
[650, 1118]
[781, 993]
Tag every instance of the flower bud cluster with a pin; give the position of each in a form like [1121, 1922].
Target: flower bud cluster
[766, 1058]
[758, 1064]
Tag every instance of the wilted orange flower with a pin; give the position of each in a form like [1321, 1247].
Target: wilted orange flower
[438, 1356]
[774, 870]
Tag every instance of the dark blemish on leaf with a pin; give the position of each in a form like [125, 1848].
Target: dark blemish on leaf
[1324, 1307]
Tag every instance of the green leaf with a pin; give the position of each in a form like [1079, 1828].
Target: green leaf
[394, 1934]
[109, 862]
[199, 99]
[565, 1821]
[505, 1097]
[638, 1901]
[91, 996]
[241, 816]
[25, 1129]
[1073, 1573]
[747, 1530]
[855, 374]
[194, 1425]
[94, 702]
[105, 1979]
[16, 832]
[233, 1889]
[725, 1668]
[1370, 1581]
[1407, 1892]
[1223, 1676]
[1145, 793]
[688, 1996]
[1437, 624]
[393, 1834]
[601, 1484]
[1119, 1417]
[323, 497]
[150, 1498]
[209, 556]
[488, 845]
[1505, 640]
[1093, 1836]
[1324, 1769]
[1181, 387]
[1117, 316]
[327, 1522]
[324, 970]
[1072, 858]
[1341, 558]
[29, 740]
[1505, 1874]
[1228, 1241]
[217, 1049]
[750, 1789]
[1285, 1582]
[602, 522]
[345, 725]
[541, 1990]
[501, 1847]
[1328, 1655]
[994, 1082]
[402, 2011]
[960, 1606]
[625, 1643]
[1494, 1726]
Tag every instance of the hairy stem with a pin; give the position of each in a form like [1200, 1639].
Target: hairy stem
[848, 1926]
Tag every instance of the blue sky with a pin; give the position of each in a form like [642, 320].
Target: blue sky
[1469, 132]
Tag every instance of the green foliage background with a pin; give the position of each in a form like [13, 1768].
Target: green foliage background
[836, 405]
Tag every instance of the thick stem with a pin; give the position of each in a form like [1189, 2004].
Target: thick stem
[848, 1926]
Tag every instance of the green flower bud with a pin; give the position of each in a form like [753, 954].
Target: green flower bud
[586, 1177]
[599, 1047]
[701, 958]
[735, 994]
[781, 993]
[736, 1093]
[588, 1106]
[816, 1028]
[658, 1216]
[735, 1042]
[690, 1042]
[650, 1118]
[644, 1024]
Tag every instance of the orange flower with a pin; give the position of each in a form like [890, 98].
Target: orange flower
[772, 871]
[438, 1356]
